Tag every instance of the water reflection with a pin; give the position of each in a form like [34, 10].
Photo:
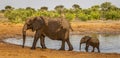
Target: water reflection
[108, 44]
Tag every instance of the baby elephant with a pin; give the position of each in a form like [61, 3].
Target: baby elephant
[94, 42]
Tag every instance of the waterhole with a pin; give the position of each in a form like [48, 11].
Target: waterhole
[108, 43]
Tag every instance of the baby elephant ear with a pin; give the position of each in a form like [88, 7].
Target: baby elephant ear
[45, 20]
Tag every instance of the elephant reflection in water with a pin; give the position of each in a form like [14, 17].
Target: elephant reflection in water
[55, 29]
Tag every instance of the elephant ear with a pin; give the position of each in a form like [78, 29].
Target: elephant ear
[37, 23]
[45, 20]
[89, 38]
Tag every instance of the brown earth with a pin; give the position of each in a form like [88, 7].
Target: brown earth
[14, 51]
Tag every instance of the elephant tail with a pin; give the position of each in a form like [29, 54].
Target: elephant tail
[71, 28]
[80, 47]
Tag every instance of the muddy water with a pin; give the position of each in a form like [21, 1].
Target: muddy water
[108, 43]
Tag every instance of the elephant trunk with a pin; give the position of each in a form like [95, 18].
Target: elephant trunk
[80, 47]
[24, 34]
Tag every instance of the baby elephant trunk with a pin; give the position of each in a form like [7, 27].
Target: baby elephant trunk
[80, 47]
[24, 36]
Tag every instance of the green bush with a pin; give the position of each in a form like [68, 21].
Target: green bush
[114, 15]
[83, 17]
[70, 16]
[94, 13]
[18, 15]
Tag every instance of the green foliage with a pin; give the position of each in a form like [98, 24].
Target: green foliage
[18, 15]
[2, 11]
[76, 6]
[70, 16]
[59, 7]
[44, 8]
[83, 17]
[114, 15]
[106, 10]
[105, 6]
[8, 7]
[53, 14]
[95, 15]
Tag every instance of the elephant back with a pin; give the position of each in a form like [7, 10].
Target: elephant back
[56, 28]
[58, 24]
[94, 42]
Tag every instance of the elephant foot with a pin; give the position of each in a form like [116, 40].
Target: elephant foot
[86, 50]
[98, 51]
[32, 48]
[61, 49]
[22, 46]
[92, 51]
[70, 49]
[44, 47]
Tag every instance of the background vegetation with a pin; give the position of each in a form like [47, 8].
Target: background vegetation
[105, 11]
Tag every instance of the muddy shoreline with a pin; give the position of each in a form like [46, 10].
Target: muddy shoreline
[9, 30]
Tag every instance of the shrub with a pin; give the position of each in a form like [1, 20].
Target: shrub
[70, 16]
[83, 17]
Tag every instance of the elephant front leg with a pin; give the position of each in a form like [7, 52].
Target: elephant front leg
[86, 48]
[70, 45]
[42, 42]
[36, 37]
[63, 45]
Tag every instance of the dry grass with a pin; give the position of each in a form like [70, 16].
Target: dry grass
[97, 27]
[12, 30]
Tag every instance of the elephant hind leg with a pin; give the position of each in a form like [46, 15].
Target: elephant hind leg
[69, 44]
[63, 45]
[42, 41]
[93, 49]
[98, 49]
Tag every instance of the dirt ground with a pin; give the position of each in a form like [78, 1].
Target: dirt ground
[14, 51]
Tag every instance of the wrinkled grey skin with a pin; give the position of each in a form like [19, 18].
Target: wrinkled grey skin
[94, 42]
[55, 29]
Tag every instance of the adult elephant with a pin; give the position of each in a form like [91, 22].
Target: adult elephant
[55, 29]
